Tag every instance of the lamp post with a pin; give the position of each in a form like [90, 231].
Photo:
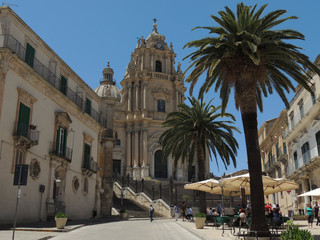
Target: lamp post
[58, 184]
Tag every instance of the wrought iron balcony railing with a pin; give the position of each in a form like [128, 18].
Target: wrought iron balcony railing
[7, 40]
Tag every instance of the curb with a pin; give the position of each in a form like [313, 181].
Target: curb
[49, 230]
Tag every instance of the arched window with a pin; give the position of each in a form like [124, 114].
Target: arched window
[161, 105]
[160, 165]
[158, 66]
[305, 152]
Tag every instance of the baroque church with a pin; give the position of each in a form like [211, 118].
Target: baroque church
[150, 89]
[71, 139]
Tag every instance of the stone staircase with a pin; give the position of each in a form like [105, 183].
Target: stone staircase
[134, 210]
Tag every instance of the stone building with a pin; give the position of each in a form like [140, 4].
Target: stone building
[150, 89]
[298, 129]
[73, 138]
[274, 157]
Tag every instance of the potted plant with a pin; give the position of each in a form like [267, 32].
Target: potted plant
[123, 213]
[61, 220]
[200, 219]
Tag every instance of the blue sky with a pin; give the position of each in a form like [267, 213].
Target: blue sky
[86, 34]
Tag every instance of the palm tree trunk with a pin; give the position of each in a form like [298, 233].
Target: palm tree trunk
[246, 94]
[201, 175]
[259, 223]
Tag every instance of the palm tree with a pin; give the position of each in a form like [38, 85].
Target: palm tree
[245, 54]
[193, 131]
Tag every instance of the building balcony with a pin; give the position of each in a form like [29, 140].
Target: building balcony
[62, 155]
[26, 136]
[89, 167]
[7, 40]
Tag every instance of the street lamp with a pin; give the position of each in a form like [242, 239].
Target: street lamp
[58, 184]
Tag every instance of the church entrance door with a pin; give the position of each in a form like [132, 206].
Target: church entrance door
[160, 165]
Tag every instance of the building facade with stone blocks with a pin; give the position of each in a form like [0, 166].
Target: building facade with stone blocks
[73, 138]
[301, 134]
[303, 138]
[274, 158]
[50, 121]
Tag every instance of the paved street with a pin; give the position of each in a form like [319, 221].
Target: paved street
[133, 230]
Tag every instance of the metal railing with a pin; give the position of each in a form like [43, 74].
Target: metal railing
[91, 166]
[67, 154]
[26, 131]
[153, 190]
[7, 40]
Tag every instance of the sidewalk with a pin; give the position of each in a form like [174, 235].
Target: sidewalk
[210, 232]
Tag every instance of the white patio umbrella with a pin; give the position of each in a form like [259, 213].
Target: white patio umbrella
[314, 193]
[282, 184]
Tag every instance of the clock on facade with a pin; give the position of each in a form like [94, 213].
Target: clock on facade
[159, 45]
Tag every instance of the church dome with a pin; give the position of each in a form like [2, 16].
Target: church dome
[106, 90]
[107, 86]
[155, 36]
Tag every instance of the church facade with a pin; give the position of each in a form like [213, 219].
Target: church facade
[72, 138]
[151, 88]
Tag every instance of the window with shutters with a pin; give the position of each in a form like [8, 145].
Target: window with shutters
[305, 152]
[295, 159]
[61, 136]
[61, 142]
[64, 85]
[23, 120]
[86, 156]
[29, 58]
[88, 106]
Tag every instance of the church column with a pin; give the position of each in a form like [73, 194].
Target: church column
[129, 167]
[179, 170]
[145, 166]
[177, 98]
[172, 65]
[152, 63]
[142, 62]
[144, 95]
[165, 70]
[136, 96]
[129, 98]
[136, 168]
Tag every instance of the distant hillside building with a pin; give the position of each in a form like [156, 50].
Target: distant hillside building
[72, 138]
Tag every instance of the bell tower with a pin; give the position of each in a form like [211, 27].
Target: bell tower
[151, 88]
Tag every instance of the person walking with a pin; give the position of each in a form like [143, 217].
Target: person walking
[219, 208]
[309, 214]
[176, 211]
[151, 210]
[316, 212]
[183, 210]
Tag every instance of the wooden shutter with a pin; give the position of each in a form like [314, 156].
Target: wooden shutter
[86, 161]
[64, 84]
[88, 106]
[23, 120]
[29, 55]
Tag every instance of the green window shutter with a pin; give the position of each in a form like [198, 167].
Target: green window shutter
[29, 55]
[64, 84]
[64, 142]
[88, 106]
[23, 120]
[58, 140]
[86, 161]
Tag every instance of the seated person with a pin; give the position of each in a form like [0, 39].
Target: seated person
[189, 214]
[276, 217]
[214, 212]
